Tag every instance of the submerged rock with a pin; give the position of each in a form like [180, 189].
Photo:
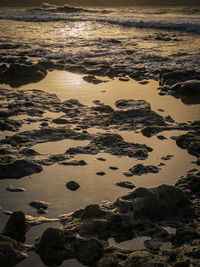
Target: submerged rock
[16, 227]
[18, 169]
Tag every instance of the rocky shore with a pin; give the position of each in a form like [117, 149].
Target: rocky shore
[166, 216]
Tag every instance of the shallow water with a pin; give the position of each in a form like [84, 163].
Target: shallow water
[134, 40]
[68, 85]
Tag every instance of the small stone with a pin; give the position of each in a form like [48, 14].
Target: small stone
[167, 157]
[124, 79]
[101, 159]
[113, 168]
[37, 204]
[101, 173]
[126, 184]
[161, 137]
[11, 188]
[72, 185]
[42, 211]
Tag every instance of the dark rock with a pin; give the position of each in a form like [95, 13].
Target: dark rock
[20, 74]
[11, 252]
[18, 169]
[126, 184]
[131, 103]
[11, 188]
[88, 250]
[162, 202]
[191, 182]
[92, 79]
[74, 163]
[124, 79]
[161, 137]
[104, 108]
[101, 159]
[60, 121]
[113, 168]
[52, 247]
[190, 141]
[100, 173]
[191, 87]
[16, 227]
[140, 169]
[72, 185]
[167, 157]
[38, 204]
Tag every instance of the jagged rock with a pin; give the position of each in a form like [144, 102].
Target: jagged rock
[140, 169]
[16, 227]
[162, 202]
[131, 103]
[18, 169]
[190, 141]
[11, 252]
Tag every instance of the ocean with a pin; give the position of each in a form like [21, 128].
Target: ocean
[153, 37]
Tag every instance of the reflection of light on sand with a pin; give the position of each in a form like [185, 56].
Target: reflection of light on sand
[68, 85]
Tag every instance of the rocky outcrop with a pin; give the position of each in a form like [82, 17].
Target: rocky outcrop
[19, 74]
[11, 251]
[16, 227]
[18, 169]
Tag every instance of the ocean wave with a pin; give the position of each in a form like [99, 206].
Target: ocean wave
[162, 25]
[185, 24]
[59, 9]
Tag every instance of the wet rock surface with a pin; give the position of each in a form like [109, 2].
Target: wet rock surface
[11, 251]
[72, 185]
[143, 212]
[140, 169]
[18, 169]
[181, 84]
[19, 74]
[16, 227]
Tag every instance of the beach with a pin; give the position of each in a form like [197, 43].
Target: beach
[99, 120]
